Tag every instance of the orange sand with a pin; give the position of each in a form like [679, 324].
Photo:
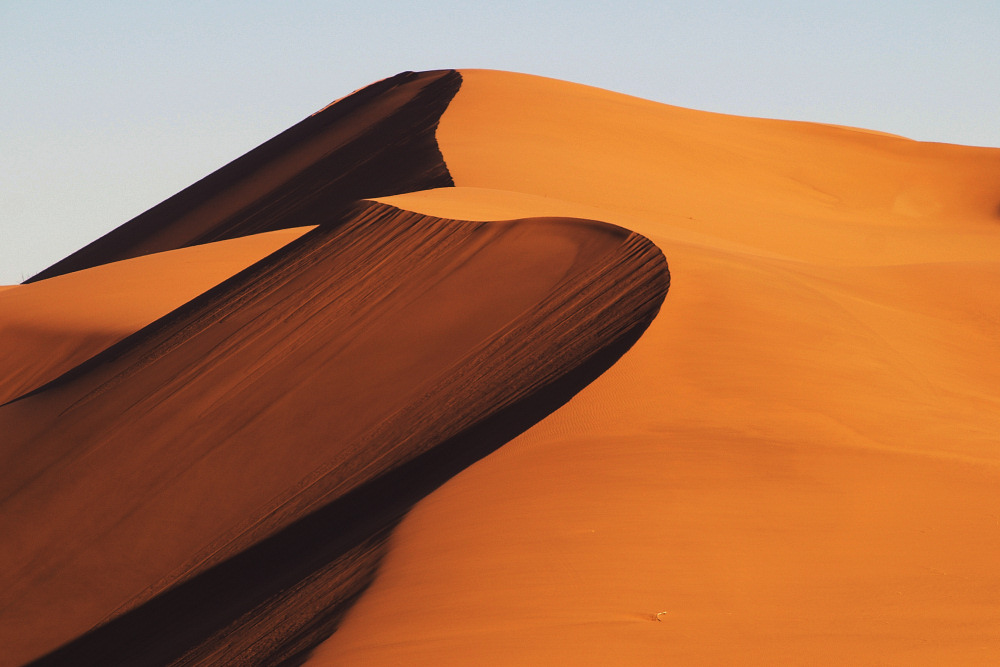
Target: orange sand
[798, 463]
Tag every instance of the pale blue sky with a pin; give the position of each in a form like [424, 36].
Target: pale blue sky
[107, 108]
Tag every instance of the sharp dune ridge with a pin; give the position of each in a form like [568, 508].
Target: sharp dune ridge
[393, 387]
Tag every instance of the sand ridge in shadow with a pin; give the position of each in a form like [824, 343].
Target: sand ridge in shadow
[798, 461]
[277, 404]
[377, 141]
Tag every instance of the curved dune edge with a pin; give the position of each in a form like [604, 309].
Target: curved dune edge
[797, 464]
[275, 428]
[48, 327]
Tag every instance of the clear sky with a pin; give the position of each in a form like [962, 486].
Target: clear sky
[107, 108]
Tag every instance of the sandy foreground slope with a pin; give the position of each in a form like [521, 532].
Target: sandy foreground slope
[798, 463]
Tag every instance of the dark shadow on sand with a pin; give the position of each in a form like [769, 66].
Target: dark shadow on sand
[336, 548]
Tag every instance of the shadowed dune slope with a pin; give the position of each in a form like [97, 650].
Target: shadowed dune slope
[377, 141]
[798, 462]
[215, 488]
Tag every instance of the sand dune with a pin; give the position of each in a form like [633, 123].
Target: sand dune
[798, 461]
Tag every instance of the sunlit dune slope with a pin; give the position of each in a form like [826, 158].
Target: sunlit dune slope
[798, 463]
[48, 327]
[216, 488]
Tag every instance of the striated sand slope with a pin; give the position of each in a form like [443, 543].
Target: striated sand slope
[389, 390]
[220, 482]
[798, 463]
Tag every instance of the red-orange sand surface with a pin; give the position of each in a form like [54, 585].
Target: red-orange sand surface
[797, 462]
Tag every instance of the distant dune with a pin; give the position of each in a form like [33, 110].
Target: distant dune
[404, 385]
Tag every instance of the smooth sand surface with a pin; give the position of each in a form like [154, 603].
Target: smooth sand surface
[48, 327]
[798, 463]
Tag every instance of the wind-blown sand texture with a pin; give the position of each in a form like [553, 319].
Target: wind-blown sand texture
[797, 462]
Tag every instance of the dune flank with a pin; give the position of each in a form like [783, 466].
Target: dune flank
[419, 407]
